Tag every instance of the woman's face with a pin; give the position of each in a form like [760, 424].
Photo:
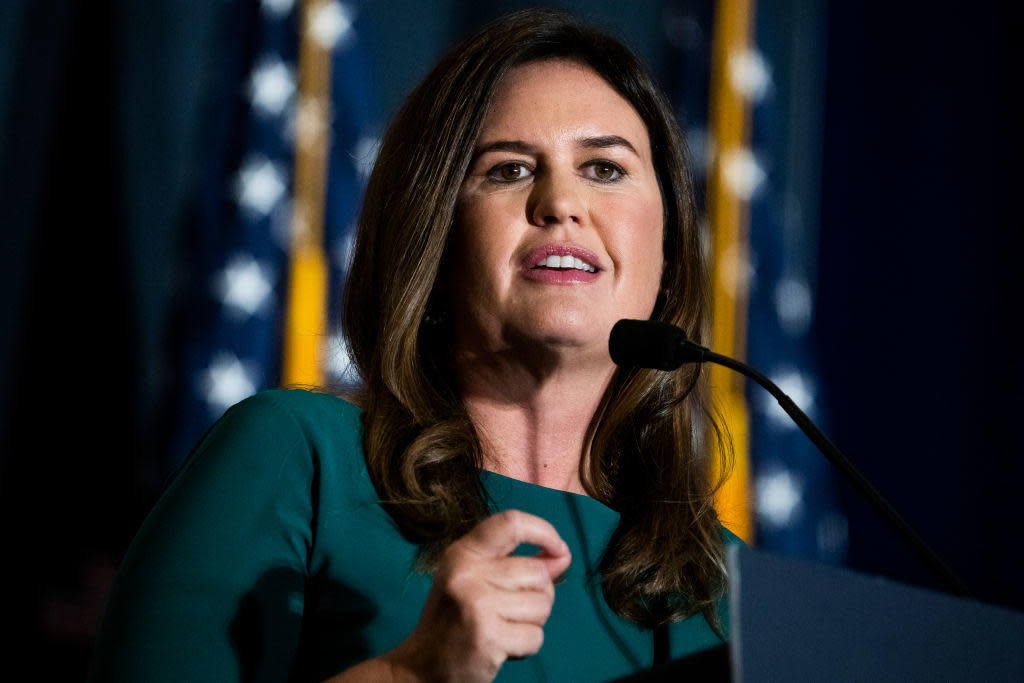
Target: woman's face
[559, 228]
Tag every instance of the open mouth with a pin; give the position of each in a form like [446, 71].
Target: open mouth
[566, 262]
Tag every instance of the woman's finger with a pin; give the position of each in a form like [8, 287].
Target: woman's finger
[500, 534]
[521, 574]
[524, 607]
[522, 640]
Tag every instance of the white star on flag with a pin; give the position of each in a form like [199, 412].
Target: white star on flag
[742, 172]
[749, 74]
[364, 155]
[793, 305]
[277, 8]
[271, 86]
[330, 24]
[793, 384]
[244, 284]
[339, 362]
[341, 251]
[260, 185]
[226, 382]
[778, 498]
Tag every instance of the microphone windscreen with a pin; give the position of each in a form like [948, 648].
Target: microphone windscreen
[646, 344]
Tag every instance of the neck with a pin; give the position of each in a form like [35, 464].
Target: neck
[533, 423]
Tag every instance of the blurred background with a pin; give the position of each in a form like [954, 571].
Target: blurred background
[179, 181]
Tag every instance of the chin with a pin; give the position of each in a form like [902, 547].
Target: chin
[567, 331]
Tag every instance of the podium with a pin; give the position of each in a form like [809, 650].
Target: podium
[798, 621]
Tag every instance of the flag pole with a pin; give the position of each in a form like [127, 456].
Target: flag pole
[305, 334]
[729, 215]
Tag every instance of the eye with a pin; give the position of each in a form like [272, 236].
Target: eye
[604, 171]
[509, 172]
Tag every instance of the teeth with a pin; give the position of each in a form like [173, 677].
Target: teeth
[566, 262]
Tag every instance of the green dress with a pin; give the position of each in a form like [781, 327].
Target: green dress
[269, 558]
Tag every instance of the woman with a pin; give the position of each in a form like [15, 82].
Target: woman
[501, 485]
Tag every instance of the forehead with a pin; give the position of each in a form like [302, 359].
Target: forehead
[560, 99]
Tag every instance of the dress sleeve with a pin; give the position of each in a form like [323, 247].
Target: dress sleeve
[211, 588]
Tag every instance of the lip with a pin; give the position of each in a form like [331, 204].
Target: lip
[559, 277]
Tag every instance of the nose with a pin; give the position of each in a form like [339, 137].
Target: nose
[556, 200]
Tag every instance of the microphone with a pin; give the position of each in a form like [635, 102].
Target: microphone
[652, 344]
[661, 346]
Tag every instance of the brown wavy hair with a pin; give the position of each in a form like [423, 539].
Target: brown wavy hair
[651, 443]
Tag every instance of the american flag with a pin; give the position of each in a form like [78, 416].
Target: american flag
[769, 72]
[782, 76]
[240, 247]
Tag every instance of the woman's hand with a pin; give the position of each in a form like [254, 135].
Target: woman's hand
[485, 605]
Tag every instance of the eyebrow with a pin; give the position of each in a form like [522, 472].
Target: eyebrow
[520, 147]
[605, 141]
[517, 146]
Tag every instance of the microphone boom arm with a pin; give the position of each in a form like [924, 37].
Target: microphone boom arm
[694, 353]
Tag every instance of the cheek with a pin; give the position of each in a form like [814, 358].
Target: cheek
[641, 243]
[482, 249]
[650, 285]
